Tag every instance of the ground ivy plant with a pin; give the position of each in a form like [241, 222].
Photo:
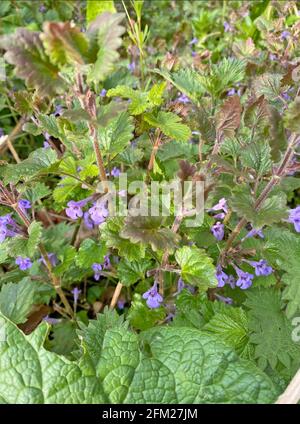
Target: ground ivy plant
[149, 201]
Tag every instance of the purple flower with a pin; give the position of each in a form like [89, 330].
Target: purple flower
[231, 92]
[121, 303]
[50, 320]
[58, 110]
[106, 263]
[182, 98]
[254, 232]
[221, 276]
[220, 206]
[131, 67]
[244, 280]
[3, 233]
[87, 221]
[180, 285]
[115, 172]
[8, 227]
[218, 231]
[227, 27]
[153, 298]
[193, 41]
[285, 35]
[223, 299]
[194, 54]
[24, 204]
[42, 8]
[52, 259]
[261, 267]
[294, 218]
[231, 281]
[76, 292]
[273, 57]
[103, 92]
[24, 263]
[97, 268]
[98, 213]
[46, 144]
[74, 210]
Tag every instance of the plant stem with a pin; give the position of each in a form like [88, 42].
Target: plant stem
[116, 295]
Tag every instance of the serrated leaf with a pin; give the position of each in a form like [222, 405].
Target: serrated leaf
[129, 272]
[196, 267]
[229, 117]
[34, 237]
[39, 160]
[155, 367]
[64, 43]
[90, 252]
[24, 49]
[96, 7]
[257, 112]
[105, 39]
[16, 300]
[292, 116]
[117, 134]
[258, 157]
[147, 230]
[271, 330]
[23, 102]
[141, 317]
[170, 125]
[139, 100]
[110, 232]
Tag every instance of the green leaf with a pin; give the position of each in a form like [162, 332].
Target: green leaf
[24, 49]
[39, 160]
[16, 300]
[46, 377]
[36, 191]
[90, 252]
[156, 93]
[292, 116]
[231, 326]
[196, 267]
[96, 7]
[229, 117]
[139, 100]
[120, 366]
[257, 113]
[110, 232]
[170, 125]
[188, 310]
[141, 317]
[147, 230]
[271, 330]
[116, 136]
[34, 237]
[258, 157]
[64, 339]
[129, 272]
[64, 43]
[49, 124]
[104, 34]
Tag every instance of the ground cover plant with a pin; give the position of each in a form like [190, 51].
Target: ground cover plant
[149, 201]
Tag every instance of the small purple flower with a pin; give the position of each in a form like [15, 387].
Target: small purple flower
[244, 280]
[52, 259]
[220, 206]
[193, 41]
[227, 27]
[231, 92]
[231, 281]
[23, 263]
[46, 144]
[103, 92]
[261, 267]
[153, 298]
[42, 8]
[194, 54]
[8, 227]
[273, 57]
[121, 303]
[74, 210]
[223, 299]
[3, 233]
[182, 98]
[51, 321]
[131, 67]
[285, 35]
[76, 292]
[294, 218]
[106, 263]
[221, 276]
[218, 231]
[87, 221]
[24, 204]
[115, 172]
[98, 213]
[97, 268]
[58, 110]
[254, 232]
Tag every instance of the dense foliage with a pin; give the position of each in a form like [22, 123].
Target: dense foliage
[100, 102]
